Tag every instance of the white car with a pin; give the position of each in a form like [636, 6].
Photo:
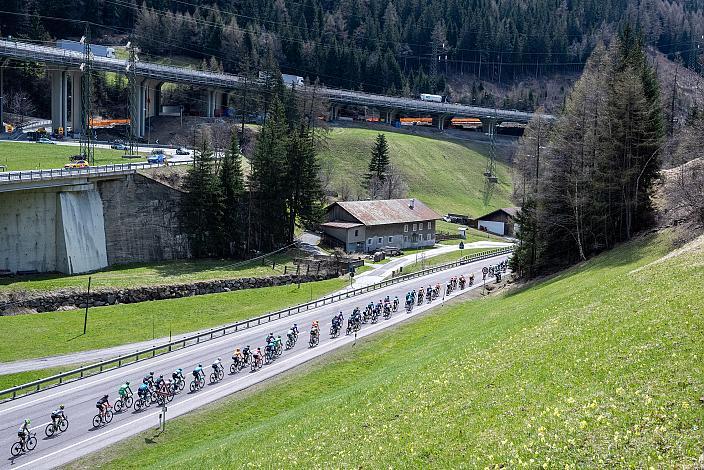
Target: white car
[44, 140]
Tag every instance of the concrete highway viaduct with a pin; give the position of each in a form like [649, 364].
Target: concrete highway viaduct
[66, 96]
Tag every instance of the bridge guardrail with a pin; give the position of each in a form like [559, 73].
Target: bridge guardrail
[109, 364]
[62, 173]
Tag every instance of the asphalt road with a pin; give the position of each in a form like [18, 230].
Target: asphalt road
[79, 397]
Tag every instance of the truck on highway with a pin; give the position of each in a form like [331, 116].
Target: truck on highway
[433, 98]
[292, 80]
[96, 49]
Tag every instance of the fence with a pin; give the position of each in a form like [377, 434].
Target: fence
[55, 380]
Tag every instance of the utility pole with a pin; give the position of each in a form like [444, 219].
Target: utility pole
[133, 99]
[490, 178]
[87, 145]
[2, 95]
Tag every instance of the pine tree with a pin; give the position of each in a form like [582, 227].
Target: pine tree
[201, 211]
[233, 190]
[378, 166]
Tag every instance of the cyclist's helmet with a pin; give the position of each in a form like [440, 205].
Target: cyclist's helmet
[237, 350]
[61, 407]
[126, 383]
[151, 373]
[27, 421]
[105, 397]
[200, 365]
[219, 359]
[161, 376]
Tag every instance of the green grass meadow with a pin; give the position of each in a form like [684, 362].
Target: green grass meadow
[129, 323]
[33, 156]
[446, 175]
[598, 367]
[167, 272]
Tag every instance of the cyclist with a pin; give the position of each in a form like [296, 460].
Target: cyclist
[125, 391]
[143, 391]
[291, 335]
[278, 342]
[178, 375]
[23, 431]
[198, 372]
[158, 383]
[270, 348]
[57, 414]
[257, 356]
[246, 353]
[103, 404]
[149, 380]
[396, 302]
[237, 356]
[295, 329]
[217, 366]
[269, 337]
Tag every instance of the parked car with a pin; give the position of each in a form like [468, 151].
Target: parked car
[118, 146]
[182, 151]
[155, 158]
[44, 140]
[77, 164]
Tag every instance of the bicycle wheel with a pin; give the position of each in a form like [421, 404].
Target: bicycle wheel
[63, 425]
[118, 406]
[221, 374]
[97, 421]
[181, 385]
[213, 378]
[138, 405]
[128, 402]
[31, 443]
[49, 430]
[16, 449]
[108, 416]
[201, 382]
[233, 369]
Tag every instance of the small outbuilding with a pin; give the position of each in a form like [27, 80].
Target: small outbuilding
[369, 226]
[500, 222]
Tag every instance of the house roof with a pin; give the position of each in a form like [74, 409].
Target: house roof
[510, 211]
[388, 211]
[339, 224]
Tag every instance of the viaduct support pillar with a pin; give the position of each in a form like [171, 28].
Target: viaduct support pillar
[76, 104]
[59, 99]
[210, 103]
[334, 111]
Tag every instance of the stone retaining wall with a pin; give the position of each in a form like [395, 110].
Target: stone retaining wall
[50, 302]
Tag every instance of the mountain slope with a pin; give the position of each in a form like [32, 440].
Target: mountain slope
[598, 367]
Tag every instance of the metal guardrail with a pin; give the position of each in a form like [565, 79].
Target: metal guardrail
[91, 171]
[26, 51]
[109, 364]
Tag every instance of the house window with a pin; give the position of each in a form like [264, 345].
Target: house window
[391, 239]
[369, 241]
[430, 225]
[356, 233]
[415, 227]
[405, 238]
[381, 240]
[428, 237]
[420, 226]
[405, 227]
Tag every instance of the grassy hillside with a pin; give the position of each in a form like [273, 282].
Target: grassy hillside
[599, 367]
[32, 156]
[447, 175]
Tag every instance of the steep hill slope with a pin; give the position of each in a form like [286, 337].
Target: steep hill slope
[599, 367]
[447, 175]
